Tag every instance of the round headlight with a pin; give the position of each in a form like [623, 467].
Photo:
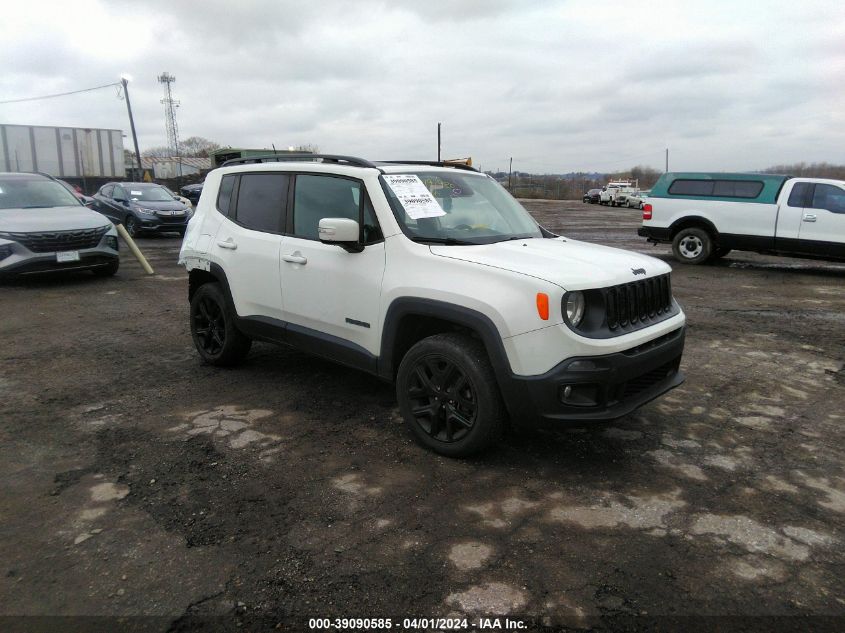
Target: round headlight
[574, 306]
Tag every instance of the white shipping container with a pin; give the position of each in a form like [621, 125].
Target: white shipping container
[63, 152]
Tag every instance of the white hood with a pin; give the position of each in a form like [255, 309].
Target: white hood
[568, 263]
[51, 219]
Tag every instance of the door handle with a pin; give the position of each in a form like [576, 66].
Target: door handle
[295, 258]
[809, 217]
[230, 244]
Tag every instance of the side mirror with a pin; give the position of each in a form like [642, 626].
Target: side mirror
[121, 200]
[341, 231]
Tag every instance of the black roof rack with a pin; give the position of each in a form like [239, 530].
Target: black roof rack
[432, 163]
[283, 158]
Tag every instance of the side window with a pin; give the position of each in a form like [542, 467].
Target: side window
[119, 193]
[691, 188]
[224, 196]
[737, 188]
[318, 197]
[798, 195]
[830, 198]
[261, 201]
[107, 191]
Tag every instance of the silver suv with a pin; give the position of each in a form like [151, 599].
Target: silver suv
[44, 228]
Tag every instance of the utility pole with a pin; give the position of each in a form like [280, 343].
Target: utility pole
[170, 105]
[510, 171]
[125, 83]
[438, 142]
[667, 160]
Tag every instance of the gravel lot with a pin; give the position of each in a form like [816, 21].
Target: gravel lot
[137, 481]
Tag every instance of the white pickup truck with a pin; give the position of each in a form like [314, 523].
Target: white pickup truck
[615, 193]
[706, 215]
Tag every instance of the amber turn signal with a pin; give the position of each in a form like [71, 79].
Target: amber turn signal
[543, 305]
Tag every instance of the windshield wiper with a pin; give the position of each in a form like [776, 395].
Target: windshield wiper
[38, 206]
[449, 241]
[516, 237]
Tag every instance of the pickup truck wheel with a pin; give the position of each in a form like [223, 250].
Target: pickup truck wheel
[216, 337]
[692, 246]
[448, 395]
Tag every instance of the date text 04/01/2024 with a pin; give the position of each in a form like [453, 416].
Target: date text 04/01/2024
[410, 624]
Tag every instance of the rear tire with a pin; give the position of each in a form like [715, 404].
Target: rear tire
[692, 245]
[216, 337]
[448, 395]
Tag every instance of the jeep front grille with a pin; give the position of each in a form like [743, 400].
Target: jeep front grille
[638, 302]
[52, 241]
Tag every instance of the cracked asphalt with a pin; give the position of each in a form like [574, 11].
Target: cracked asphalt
[139, 482]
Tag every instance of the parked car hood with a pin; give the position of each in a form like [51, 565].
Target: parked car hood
[51, 219]
[164, 205]
[571, 264]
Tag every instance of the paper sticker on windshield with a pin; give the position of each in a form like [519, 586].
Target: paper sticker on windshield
[136, 193]
[414, 197]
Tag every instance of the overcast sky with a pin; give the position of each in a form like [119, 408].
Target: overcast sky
[559, 86]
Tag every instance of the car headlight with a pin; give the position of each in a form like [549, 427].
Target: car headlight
[573, 307]
[110, 241]
[5, 251]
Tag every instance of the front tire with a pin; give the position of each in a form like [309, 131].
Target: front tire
[692, 245]
[216, 337]
[131, 226]
[449, 397]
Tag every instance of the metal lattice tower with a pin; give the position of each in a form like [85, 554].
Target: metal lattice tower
[170, 105]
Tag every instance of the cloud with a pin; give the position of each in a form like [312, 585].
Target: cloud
[557, 85]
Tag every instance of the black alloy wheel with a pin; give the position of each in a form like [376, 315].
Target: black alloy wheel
[209, 327]
[131, 225]
[216, 337]
[448, 395]
[443, 400]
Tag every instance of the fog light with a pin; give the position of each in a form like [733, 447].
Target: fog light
[110, 241]
[579, 395]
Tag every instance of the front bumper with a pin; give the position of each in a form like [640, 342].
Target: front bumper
[602, 387]
[38, 263]
[162, 224]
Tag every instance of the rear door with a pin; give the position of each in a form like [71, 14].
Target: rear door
[248, 240]
[822, 230]
[329, 293]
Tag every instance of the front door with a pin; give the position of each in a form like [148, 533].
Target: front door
[332, 296]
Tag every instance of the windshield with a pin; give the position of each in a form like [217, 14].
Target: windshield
[34, 193]
[471, 209]
[140, 193]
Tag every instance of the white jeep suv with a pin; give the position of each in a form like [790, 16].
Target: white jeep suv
[433, 277]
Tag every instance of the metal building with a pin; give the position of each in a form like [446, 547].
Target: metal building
[63, 152]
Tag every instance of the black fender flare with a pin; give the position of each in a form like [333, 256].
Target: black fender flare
[474, 320]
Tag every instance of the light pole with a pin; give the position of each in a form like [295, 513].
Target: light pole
[125, 81]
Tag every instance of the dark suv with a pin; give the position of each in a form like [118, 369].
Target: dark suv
[592, 196]
[142, 207]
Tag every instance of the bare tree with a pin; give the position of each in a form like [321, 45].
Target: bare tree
[197, 146]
